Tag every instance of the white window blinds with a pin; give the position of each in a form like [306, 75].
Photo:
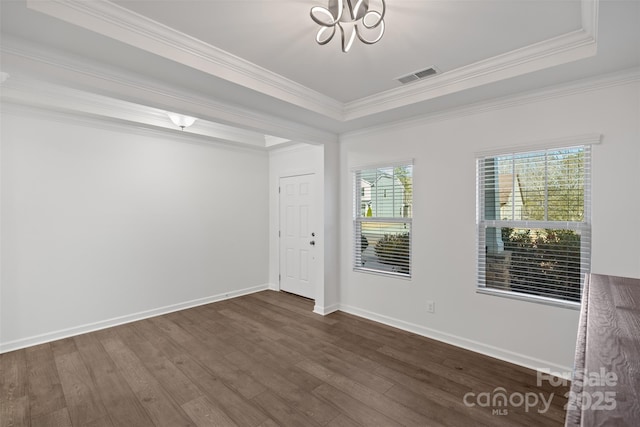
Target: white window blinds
[383, 202]
[534, 231]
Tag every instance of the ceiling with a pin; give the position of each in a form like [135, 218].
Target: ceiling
[278, 36]
[250, 68]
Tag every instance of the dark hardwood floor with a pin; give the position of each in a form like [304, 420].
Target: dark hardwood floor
[265, 360]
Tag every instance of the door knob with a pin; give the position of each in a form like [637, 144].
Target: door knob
[312, 243]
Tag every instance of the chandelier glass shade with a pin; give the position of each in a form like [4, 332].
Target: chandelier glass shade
[353, 18]
[180, 120]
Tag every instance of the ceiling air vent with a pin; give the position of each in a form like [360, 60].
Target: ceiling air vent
[417, 75]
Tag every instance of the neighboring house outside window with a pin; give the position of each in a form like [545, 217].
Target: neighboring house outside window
[383, 202]
[534, 230]
[511, 199]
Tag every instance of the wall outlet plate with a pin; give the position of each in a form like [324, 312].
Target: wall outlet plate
[431, 307]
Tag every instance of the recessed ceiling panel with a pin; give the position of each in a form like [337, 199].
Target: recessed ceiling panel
[279, 36]
[158, 53]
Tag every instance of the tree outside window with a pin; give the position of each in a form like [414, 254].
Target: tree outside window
[533, 224]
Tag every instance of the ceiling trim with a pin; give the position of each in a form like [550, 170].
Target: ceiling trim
[119, 23]
[22, 58]
[566, 48]
[620, 78]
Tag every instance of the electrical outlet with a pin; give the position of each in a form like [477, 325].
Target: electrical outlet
[431, 307]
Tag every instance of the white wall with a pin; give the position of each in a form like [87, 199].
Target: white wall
[102, 224]
[330, 300]
[444, 236]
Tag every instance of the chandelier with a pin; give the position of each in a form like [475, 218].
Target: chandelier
[352, 20]
[181, 120]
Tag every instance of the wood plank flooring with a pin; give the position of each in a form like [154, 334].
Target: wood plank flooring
[264, 360]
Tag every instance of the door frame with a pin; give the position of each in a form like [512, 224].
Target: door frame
[319, 246]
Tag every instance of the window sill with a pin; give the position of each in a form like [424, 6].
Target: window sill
[529, 298]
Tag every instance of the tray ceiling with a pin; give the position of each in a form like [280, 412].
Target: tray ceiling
[259, 56]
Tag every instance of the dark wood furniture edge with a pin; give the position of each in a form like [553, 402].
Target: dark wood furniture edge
[574, 415]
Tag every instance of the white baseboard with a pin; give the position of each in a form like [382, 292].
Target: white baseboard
[91, 327]
[478, 347]
[326, 310]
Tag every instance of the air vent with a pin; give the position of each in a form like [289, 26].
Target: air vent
[417, 75]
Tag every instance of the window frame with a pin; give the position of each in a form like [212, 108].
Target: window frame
[359, 218]
[584, 227]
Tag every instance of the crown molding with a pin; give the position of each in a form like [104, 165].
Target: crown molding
[620, 78]
[560, 50]
[114, 21]
[119, 23]
[25, 59]
[565, 48]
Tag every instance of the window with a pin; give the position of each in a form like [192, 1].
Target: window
[383, 201]
[534, 223]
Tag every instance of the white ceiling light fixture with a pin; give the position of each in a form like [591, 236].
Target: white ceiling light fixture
[181, 120]
[353, 18]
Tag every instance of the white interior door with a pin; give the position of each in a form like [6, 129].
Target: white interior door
[297, 236]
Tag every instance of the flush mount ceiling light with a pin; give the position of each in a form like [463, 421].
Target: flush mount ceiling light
[181, 120]
[353, 18]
